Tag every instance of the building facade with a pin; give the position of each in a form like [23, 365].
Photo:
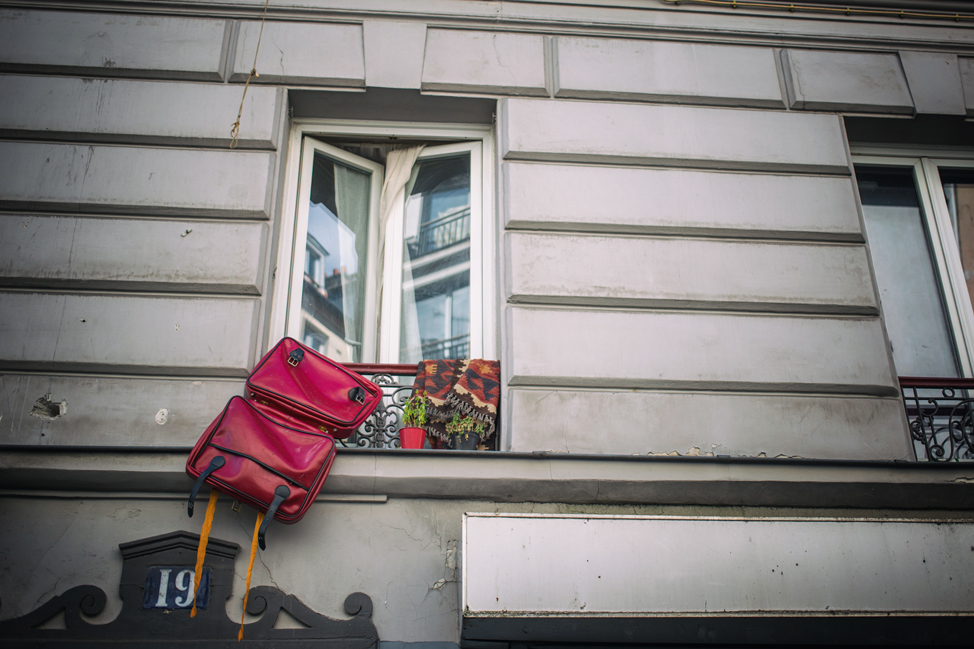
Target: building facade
[722, 251]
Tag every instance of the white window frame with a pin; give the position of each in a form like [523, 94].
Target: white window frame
[392, 298]
[946, 255]
[289, 272]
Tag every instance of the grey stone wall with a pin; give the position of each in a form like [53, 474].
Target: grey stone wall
[681, 266]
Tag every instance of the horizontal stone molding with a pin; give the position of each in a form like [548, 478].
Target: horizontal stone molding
[666, 71]
[564, 347]
[497, 63]
[846, 81]
[627, 422]
[537, 478]
[111, 411]
[129, 254]
[127, 334]
[657, 201]
[313, 54]
[688, 273]
[674, 136]
[135, 181]
[152, 112]
[113, 45]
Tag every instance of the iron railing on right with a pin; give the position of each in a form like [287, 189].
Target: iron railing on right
[940, 412]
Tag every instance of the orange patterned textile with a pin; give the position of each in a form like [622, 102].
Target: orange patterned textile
[470, 387]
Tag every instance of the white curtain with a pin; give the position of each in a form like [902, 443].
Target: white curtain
[352, 202]
[399, 167]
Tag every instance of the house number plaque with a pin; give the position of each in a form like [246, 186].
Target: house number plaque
[171, 587]
[156, 588]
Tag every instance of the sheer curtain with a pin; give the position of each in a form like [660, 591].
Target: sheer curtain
[399, 168]
[352, 200]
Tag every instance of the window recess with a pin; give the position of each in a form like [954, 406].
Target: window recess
[919, 219]
[396, 277]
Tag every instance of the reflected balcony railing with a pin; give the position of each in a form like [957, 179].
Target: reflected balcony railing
[940, 413]
[440, 233]
[456, 347]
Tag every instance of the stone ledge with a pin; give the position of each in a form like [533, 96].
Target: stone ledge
[538, 477]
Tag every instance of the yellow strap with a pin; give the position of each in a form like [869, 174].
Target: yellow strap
[201, 551]
[250, 570]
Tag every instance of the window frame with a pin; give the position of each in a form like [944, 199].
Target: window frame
[389, 343]
[484, 331]
[925, 166]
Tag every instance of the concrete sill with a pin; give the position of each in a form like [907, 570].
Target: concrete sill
[541, 477]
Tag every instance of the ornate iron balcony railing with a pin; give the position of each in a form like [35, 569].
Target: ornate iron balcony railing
[940, 412]
[381, 429]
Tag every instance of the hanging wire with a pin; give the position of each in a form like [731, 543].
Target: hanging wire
[235, 129]
[848, 11]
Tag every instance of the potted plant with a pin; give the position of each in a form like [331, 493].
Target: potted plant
[412, 434]
[465, 432]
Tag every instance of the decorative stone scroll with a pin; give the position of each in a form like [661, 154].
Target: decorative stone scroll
[139, 627]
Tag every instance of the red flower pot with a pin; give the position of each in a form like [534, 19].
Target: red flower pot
[411, 437]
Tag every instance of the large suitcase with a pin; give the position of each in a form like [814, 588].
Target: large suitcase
[274, 451]
[273, 467]
[304, 388]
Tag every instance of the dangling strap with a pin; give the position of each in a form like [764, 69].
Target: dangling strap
[250, 570]
[201, 551]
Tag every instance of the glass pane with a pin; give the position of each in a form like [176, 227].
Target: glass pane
[959, 192]
[908, 286]
[436, 261]
[333, 298]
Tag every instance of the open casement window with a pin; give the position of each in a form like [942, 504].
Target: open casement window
[429, 302]
[428, 281]
[919, 218]
[332, 303]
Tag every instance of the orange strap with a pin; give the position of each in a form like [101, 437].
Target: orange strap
[250, 570]
[201, 551]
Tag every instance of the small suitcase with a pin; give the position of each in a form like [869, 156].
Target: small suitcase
[304, 388]
[274, 467]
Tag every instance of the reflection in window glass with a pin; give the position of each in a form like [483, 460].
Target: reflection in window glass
[959, 192]
[333, 297]
[314, 338]
[436, 261]
[908, 286]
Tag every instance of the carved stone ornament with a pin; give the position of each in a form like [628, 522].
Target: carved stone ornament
[141, 625]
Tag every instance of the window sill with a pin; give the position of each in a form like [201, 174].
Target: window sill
[535, 477]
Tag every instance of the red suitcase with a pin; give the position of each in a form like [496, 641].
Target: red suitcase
[274, 451]
[269, 465]
[305, 388]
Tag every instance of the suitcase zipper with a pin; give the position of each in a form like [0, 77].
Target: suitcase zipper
[258, 462]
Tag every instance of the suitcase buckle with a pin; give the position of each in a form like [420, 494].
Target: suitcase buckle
[357, 394]
[295, 357]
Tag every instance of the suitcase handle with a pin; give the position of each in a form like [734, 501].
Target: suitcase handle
[280, 495]
[215, 464]
[357, 394]
[295, 357]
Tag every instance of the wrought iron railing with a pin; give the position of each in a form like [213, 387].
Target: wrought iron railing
[381, 429]
[940, 412]
[440, 233]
